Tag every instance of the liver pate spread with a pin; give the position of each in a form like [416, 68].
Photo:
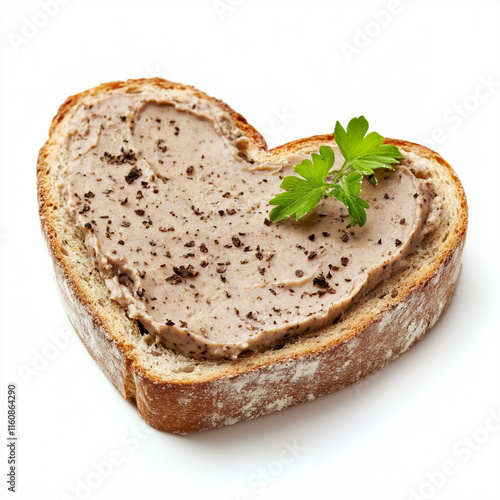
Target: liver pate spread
[175, 216]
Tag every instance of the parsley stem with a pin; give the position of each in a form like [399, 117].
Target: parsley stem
[340, 173]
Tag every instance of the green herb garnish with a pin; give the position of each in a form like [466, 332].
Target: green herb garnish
[363, 154]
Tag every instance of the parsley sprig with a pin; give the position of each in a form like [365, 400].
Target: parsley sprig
[363, 154]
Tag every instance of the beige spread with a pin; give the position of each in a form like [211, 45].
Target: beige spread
[176, 217]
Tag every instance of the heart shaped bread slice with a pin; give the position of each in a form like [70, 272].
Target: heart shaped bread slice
[175, 210]
[154, 202]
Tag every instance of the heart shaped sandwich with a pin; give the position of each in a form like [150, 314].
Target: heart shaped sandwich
[154, 200]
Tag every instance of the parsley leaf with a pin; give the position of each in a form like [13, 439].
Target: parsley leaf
[302, 195]
[347, 191]
[363, 154]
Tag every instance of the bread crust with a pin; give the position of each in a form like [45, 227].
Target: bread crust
[270, 381]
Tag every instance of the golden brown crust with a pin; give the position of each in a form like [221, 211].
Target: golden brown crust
[273, 380]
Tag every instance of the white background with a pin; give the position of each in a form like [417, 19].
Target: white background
[292, 68]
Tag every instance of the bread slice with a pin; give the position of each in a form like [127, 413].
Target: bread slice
[180, 394]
